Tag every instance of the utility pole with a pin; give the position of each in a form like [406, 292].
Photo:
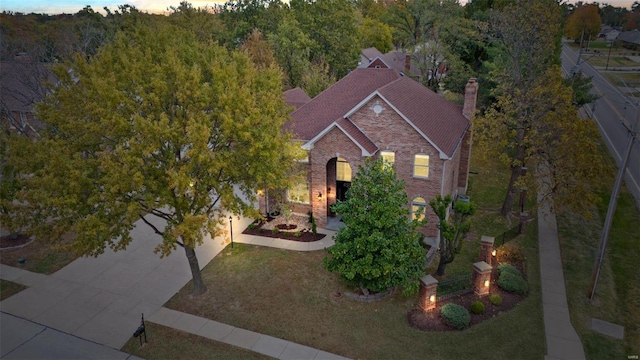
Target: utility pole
[633, 133]
[609, 57]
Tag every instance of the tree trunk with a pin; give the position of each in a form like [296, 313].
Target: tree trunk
[507, 205]
[441, 265]
[198, 285]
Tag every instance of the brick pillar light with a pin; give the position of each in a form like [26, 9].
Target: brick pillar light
[481, 278]
[486, 249]
[427, 295]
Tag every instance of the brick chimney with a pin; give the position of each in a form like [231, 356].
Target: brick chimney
[468, 110]
[407, 64]
[470, 98]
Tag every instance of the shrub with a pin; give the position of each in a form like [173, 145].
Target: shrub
[275, 230]
[261, 230]
[477, 307]
[513, 283]
[312, 221]
[508, 268]
[252, 226]
[510, 252]
[297, 234]
[456, 316]
[495, 299]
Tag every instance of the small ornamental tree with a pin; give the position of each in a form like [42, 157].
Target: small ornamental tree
[451, 232]
[380, 246]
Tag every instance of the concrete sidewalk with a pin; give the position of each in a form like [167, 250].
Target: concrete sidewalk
[563, 342]
[101, 299]
[23, 339]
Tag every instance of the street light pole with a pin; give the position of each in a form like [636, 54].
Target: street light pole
[231, 229]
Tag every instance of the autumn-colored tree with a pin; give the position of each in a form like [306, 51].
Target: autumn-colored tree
[527, 45]
[259, 50]
[539, 129]
[158, 128]
[584, 22]
[380, 248]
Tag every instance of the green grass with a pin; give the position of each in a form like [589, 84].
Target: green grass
[167, 343]
[614, 61]
[617, 297]
[290, 296]
[624, 79]
[8, 288]
[40, 256]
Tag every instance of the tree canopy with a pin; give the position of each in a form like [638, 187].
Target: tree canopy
[380, 247]
[157, 124]
[584, 21]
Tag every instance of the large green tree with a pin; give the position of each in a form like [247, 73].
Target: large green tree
[332, 26]
[157, 128]
[380, 247]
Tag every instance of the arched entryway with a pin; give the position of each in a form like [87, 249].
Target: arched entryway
[338, 181]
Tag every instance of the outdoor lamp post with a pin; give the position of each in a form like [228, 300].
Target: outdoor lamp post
[231, 229]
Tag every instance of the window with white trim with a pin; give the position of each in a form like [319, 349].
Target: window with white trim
[299, 193]
[418, 208]
[421, 166]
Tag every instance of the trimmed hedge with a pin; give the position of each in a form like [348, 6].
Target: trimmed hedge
[456, 316]
[495, 299]
[477, 307]
[508, 268]
[513, 283]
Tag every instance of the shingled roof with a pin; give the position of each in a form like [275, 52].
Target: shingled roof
[333, 103]
[439, 121]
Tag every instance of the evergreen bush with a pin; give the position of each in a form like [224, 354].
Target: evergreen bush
[456, 316]
[508, 268]
[495, 299]
[477, 307]
[513, 283]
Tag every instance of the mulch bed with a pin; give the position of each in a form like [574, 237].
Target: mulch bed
[432, 321]
[8, 242]
[305, 235]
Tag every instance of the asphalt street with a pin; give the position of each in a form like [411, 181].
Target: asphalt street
[615, 113]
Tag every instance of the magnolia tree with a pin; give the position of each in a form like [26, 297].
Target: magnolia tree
[157, 125]
[380, 247]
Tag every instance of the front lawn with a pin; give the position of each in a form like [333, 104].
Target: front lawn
[289, 295]
[168, 343]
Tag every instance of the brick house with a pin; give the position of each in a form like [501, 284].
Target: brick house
[377, 112]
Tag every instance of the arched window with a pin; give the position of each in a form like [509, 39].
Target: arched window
[418, 208]
[421, 166]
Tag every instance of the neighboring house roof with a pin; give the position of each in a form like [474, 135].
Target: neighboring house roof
[22, 85]
[632, 36]
[439, 121]
[371, 53]
[296, 97]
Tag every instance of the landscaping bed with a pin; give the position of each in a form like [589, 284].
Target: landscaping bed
[297, 228]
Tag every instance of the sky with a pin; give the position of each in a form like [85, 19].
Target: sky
[152, 6]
